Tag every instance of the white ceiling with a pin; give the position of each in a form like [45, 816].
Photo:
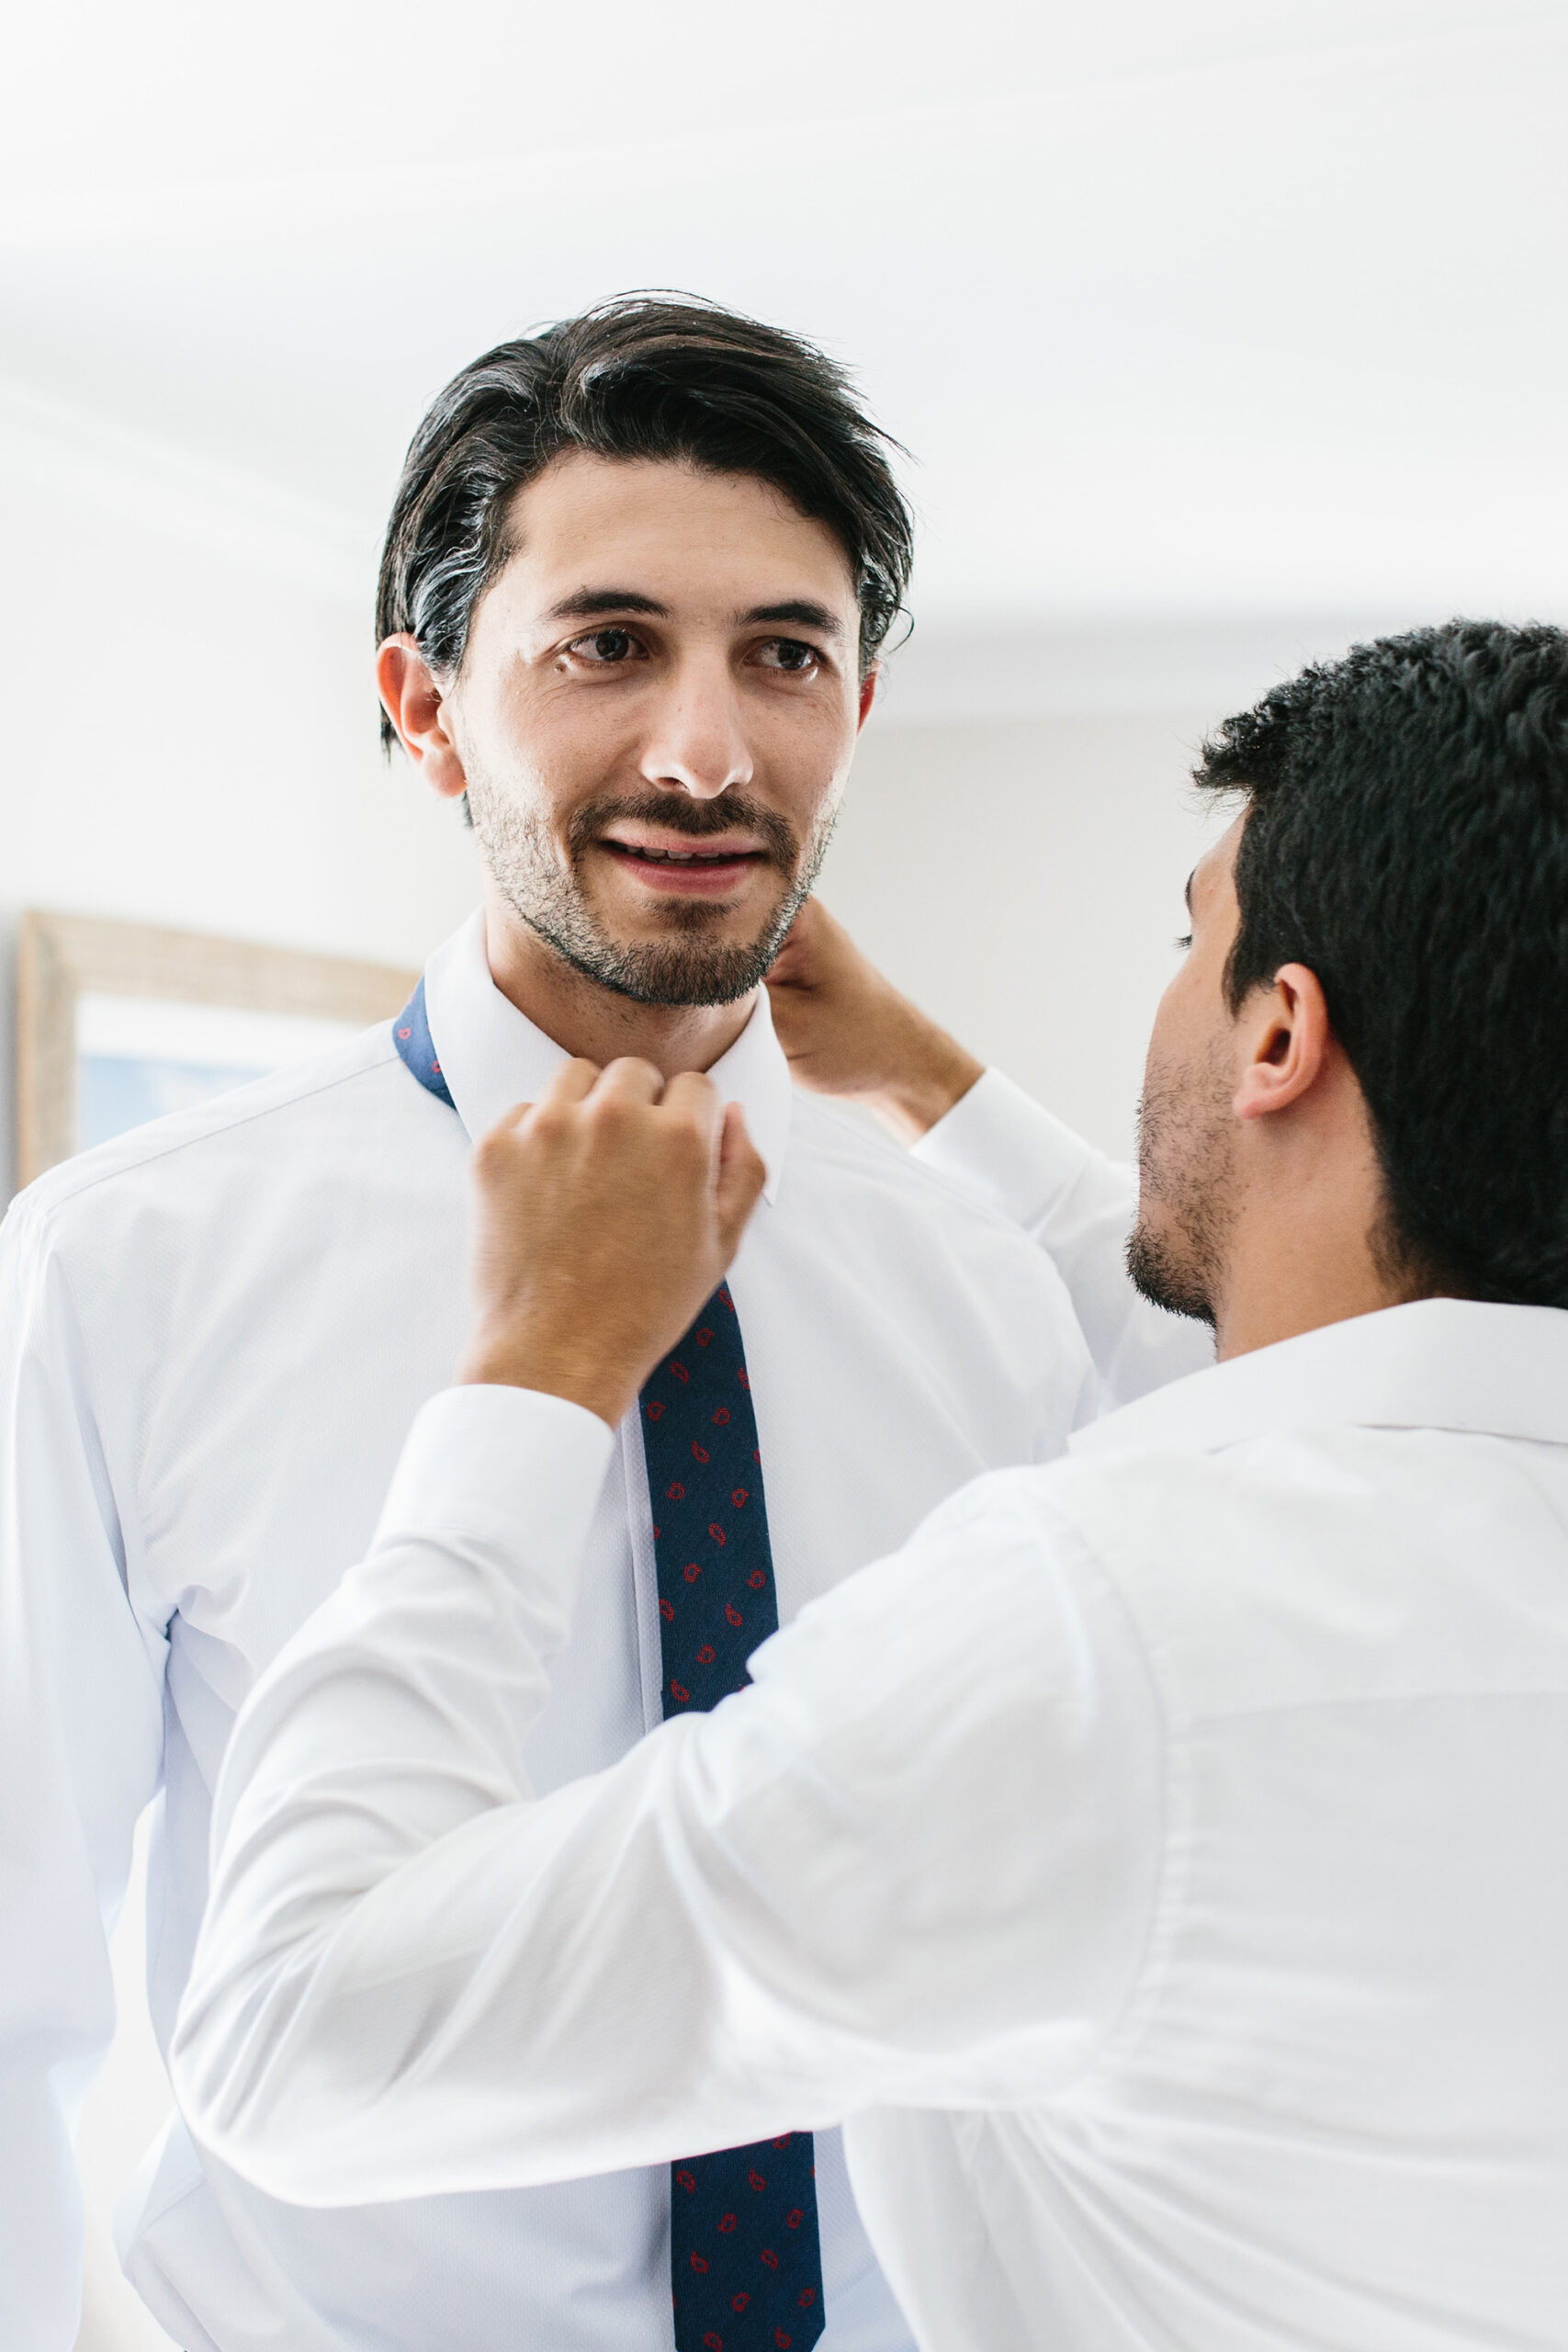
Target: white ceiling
[1207, 308]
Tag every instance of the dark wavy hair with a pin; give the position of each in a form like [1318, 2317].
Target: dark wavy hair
[640, 376]
[1407, 838]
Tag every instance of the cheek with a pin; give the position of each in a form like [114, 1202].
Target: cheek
[805, 758]
[1191, 1012]
[550, 762]
[553, 734]
[1170, 1024]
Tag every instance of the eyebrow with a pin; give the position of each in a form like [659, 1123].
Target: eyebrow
[802, 611]
[590, 603]
[1187, 893]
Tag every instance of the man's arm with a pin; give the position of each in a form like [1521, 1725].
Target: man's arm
[81, 1737]
[848, 1032]
[912, 1863]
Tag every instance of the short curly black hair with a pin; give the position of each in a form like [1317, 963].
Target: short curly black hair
[640, 376]
[1406, 839]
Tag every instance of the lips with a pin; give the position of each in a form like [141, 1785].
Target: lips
[643, 854]
[702, 870]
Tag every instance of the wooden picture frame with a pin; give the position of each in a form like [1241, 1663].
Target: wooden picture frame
[63, 958]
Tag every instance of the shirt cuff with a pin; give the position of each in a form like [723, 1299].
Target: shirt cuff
[1006, 1149]
[511, 1471]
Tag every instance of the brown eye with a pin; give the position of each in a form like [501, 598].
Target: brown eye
[607, 647]
[790, 653]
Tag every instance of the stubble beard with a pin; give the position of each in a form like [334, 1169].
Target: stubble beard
[688, 966]
[1187, 1167]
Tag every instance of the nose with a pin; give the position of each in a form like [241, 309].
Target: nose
[697, 742]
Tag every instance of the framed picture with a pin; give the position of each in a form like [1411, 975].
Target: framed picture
[119, 1022]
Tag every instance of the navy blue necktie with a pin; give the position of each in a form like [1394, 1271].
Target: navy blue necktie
[745, 2264]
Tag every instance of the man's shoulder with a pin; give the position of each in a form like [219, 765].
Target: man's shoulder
[291, 1128]
[1325, 1565]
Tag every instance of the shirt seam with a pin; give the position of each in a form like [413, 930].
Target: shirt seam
[45, 1212]
[83, 1370]
[1174, 1779]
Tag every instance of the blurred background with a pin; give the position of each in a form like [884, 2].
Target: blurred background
[1220, 332]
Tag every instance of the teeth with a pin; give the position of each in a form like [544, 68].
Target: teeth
[682, 856]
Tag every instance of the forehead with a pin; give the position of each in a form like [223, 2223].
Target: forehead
[672, 531]
[1214, 871]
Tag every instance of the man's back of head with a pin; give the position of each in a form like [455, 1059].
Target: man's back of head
[1408, 837]
[1354, 1091]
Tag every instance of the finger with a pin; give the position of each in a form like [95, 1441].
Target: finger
[569, 1084]
[510, 1119]
[629, 1079]
[824, 933]
[573, 1082]
[742, 1174]
[692, 1096]
[695, 1102]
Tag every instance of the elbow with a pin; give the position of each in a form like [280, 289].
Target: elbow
[247, 2083]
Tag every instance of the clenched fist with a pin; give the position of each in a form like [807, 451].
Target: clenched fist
[607, 1212]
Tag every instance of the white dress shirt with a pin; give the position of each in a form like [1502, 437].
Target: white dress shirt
[1162, 1861]
[214, 1336]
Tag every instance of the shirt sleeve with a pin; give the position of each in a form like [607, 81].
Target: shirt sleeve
[1079, 1205]
[81, 1742]
[911, 1863]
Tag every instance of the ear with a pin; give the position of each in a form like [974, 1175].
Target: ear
[1287, 1040]
[869, 685]
[412, 697]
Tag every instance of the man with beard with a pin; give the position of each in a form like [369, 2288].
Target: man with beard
[1158, 1860]
[633, 587]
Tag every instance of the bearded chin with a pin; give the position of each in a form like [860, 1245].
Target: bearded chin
[686, 964]
[686, 969]
[1185, 1171]
[1167, 1276]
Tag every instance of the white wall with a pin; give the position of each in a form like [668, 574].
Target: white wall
[1022, 879]
[190, 726]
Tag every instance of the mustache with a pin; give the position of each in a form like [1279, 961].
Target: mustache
[680, 814]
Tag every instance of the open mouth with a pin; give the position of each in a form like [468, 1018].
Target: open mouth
[704, 870]
[683, 856]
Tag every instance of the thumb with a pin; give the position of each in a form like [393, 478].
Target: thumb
[742, 1175]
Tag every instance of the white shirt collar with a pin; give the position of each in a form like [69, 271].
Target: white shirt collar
[1446, 1364]
[492, 1057]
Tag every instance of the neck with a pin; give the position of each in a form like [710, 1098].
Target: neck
[583, 1017]
[1266, 1302]
[1303, 1248]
